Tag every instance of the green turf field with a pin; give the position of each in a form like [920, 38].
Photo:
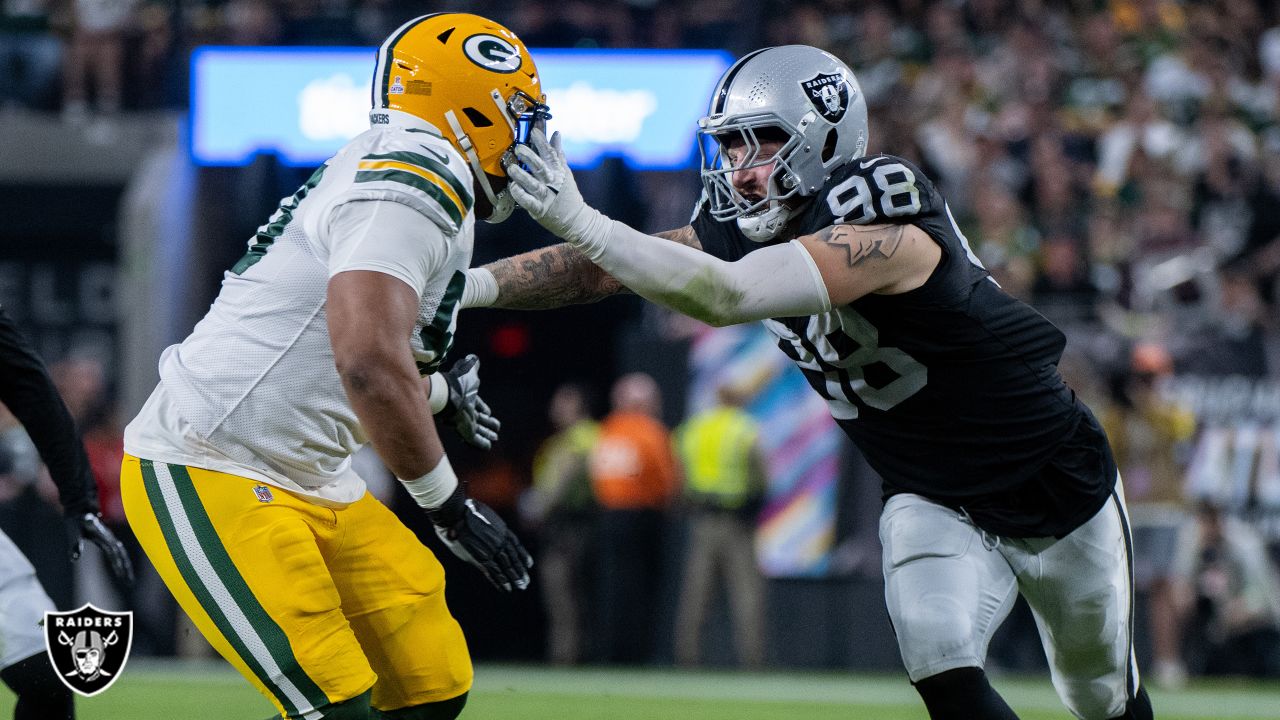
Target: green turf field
[176, 690]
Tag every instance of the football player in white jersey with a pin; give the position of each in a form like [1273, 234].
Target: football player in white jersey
[328, 334]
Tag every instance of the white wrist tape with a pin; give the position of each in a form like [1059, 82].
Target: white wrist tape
[480, 290]
[432, 489]
[437, 392]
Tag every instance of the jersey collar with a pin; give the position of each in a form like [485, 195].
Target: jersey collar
[382, 117]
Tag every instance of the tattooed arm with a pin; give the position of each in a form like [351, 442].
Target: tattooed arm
[773, 281]
[857, 260]
[560, 275]
[805, 276]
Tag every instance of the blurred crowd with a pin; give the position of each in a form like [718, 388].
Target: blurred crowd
[1114, 160]
[1107, 156]
[1116, 163]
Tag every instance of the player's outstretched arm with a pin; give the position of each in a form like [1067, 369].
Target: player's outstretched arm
[806, 276]
[541, 279]
[779, 280]
[549, 277]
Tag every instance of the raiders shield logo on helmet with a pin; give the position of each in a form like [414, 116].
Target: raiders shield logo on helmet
[88, 647]
[829, 94]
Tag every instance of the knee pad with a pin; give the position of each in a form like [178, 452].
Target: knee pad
[963, 694]
[442, 710]
[932, 629]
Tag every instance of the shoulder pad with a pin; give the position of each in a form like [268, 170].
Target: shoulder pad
[418, 169]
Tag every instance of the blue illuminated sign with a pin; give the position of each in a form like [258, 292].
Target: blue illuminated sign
[304, 103]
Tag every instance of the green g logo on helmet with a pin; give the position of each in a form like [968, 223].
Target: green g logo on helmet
[492, 53]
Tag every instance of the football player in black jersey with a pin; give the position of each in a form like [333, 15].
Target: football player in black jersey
[997, 479]
[29, 393]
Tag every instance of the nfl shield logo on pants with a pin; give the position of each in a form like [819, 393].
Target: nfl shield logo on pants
[88, 647]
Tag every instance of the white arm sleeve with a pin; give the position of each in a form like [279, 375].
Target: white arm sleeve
[776, 281]
[386, 237]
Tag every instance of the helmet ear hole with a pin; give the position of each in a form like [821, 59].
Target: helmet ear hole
[477, 118]
[829, 145]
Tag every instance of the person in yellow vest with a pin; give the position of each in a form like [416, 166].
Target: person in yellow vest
[725, 481]
[1147, 430]
[561, 506]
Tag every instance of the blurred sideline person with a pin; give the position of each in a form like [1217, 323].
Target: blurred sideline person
[724, 485]
[633, 477]
[328, 334]
[1146, 430]
[560, 506]
[997, 479]
[28, 392]
[1227, 595]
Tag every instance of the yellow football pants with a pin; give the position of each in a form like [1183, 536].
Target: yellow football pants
[313, 605]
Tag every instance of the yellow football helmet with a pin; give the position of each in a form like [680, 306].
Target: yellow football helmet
[473, 80]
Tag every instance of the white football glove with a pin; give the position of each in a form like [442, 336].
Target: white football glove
[549, 194]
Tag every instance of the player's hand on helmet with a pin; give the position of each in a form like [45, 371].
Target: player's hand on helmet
[546, 189]
[465, 409]
[82, 526]
[475, 533]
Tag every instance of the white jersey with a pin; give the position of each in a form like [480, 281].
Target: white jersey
[253, 391]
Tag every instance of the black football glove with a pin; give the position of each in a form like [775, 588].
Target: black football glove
[88, 525]
[475, 533]
[465, 410]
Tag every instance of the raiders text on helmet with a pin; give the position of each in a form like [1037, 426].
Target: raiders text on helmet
[469, 77]
[804, 95]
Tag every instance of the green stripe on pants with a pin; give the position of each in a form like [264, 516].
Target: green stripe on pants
[222, 592]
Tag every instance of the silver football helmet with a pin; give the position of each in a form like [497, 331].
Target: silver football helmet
[803, 96]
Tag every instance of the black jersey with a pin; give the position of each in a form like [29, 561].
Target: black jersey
[951, 390]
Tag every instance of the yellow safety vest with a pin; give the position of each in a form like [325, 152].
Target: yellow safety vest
[573, 444]
[715, 447]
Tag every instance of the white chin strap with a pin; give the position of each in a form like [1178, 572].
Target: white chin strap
[766, 225]
[502, 202]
